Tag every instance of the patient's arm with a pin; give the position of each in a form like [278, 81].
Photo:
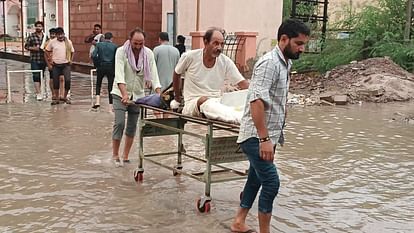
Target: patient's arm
[177, 86]
[244, 84]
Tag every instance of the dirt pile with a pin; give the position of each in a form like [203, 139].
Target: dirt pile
[373, 80]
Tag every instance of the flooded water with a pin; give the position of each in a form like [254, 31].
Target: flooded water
[343, 169]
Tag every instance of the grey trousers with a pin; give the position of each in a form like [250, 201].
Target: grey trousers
[119, 124]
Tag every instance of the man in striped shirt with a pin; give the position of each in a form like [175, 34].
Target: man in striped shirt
[263, 121]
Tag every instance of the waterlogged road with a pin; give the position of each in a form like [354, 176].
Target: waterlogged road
[343, 169]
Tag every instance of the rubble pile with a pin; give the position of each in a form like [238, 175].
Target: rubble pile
[377, 80]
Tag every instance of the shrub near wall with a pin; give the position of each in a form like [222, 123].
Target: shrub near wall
[377, 32]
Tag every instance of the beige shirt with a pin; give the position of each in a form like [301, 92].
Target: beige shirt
[58, 49]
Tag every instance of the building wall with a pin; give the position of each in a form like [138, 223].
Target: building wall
[50, 14]
[116, 16]
[262, 16]
[339, 9]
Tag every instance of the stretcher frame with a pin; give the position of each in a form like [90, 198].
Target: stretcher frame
[217, 150]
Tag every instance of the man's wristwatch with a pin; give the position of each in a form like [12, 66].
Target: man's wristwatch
[265, 139]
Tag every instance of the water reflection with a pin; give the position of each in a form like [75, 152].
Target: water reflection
[354, 170]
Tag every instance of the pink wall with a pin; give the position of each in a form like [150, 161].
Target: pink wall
[262, 16]
[59, 12]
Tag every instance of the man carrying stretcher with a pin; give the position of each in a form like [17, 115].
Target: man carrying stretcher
[204, 72]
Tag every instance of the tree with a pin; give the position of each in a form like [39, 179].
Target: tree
[408, 21]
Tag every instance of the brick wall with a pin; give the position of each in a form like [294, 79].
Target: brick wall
[116, 16]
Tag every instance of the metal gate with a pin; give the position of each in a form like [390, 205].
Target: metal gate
[232, 46]
[313, 12]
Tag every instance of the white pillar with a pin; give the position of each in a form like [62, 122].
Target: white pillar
[40, 11]
[6, 6]
[24, 26]
[66, 17]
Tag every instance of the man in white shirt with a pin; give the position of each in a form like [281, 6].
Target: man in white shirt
[135, 70]
[204, 70]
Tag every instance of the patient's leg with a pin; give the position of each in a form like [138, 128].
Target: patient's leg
[213, 109]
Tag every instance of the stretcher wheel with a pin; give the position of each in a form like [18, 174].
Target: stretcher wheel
[175, 172]
[138, 176]
[205, 208]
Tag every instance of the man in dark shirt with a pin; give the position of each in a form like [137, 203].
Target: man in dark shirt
[180, 44]
[37, 60]
[104, 59]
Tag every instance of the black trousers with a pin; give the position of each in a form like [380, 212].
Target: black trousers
[101, 72]
[61, 69]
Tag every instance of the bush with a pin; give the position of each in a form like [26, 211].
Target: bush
[401, 53]
[335, 53]
[377, 32]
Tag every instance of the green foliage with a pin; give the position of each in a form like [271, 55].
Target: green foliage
[375, 22]
[287, 9]
[400, 53]
[335, 53]
[303, 8]
[377, 31]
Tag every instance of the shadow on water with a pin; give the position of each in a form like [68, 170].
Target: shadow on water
[343, 169]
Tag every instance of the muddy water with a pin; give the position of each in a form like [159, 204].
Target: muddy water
[343, 169]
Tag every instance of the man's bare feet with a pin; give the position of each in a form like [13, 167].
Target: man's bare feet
[241, 228]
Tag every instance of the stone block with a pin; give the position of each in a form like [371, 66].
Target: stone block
[326, 97]
[340, 99]
[324, 102]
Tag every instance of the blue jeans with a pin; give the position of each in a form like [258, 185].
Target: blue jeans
[261, 174]
[37, 66]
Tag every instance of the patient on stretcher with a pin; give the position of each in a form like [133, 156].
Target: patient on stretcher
[204, 72]
[228, 108]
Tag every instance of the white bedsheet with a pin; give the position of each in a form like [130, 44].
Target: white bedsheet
[228, 108]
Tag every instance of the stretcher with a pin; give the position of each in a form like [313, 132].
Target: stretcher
[220, 148]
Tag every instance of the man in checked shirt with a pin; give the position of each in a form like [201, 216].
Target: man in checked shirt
[37, 60]
[263, 121]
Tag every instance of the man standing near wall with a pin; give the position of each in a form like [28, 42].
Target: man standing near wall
[166, 58]
[37, 61]
[104, 55]
[94, 38]
[61, 52]
[180, 44]
[52, 35]
[263, 121]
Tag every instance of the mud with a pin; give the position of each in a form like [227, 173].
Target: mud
[377, 80]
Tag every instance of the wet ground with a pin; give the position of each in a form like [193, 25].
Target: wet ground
[343, 169]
